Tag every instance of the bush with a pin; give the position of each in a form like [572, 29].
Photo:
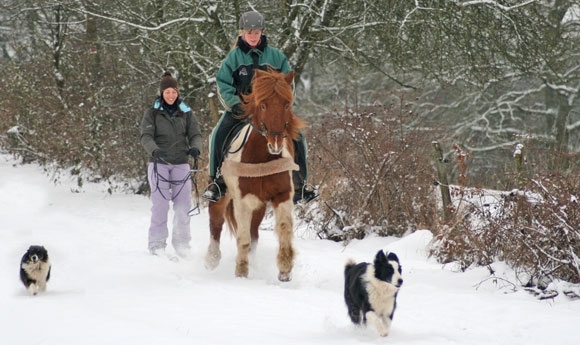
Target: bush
[534, 229]
[375, 174]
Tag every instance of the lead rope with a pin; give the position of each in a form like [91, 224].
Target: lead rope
[195, 210]
[172, 183]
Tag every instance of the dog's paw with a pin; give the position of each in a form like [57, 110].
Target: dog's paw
[33, 289]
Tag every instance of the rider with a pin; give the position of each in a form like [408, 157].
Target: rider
[234, 78]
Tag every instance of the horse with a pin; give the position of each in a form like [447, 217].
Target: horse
[257, 171]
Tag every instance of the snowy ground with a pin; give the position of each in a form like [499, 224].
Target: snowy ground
[106, 289]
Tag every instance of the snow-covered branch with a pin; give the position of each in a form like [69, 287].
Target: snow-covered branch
[142, 27]
[493, 4]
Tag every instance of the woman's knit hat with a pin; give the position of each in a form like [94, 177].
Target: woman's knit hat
[167, 81]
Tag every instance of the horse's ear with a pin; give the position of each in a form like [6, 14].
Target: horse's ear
[258, 71]
[290, 77]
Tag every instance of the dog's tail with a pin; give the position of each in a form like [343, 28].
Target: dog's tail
[350, 263]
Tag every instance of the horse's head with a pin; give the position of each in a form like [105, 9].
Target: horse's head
[271, 105]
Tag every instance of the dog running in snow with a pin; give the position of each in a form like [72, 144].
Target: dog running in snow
[370, 290]
[35, 269]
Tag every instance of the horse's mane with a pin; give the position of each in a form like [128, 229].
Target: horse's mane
[269, 84]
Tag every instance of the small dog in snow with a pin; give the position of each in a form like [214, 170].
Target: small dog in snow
[35, 269]
[370, 290]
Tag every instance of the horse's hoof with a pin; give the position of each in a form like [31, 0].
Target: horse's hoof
[240, 274]
[242, 269]
[284, 276]
[212, 260]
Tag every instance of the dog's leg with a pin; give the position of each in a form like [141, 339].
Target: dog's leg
[44, 270]
[355, 314]
[376, 320]
[42, 285]
[387, 323]
[33, 289]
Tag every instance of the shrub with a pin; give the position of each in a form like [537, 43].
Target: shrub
[534, 229]
[375, 174]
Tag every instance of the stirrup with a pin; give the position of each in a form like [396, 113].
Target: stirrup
[304, 196]
[214, 192]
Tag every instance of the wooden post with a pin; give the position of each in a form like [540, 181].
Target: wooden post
[442, 180]
[519, 163]
[213, 107]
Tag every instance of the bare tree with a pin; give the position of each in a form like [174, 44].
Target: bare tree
[490, 73]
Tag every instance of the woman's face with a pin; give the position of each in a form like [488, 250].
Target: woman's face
[170, 95]
[252, 37]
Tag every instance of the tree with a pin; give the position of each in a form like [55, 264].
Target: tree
[491, 73]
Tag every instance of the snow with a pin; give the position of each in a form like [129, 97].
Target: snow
[106, 289]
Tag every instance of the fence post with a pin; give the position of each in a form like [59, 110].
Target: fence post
[213, 107]
[519, 163]
[443, 183]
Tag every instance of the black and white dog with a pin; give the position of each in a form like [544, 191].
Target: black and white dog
[35, 269]
[370, 290]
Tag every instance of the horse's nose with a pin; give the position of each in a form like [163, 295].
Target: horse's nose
[274, 149]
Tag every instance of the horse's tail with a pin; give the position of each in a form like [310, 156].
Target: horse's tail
[230, 219]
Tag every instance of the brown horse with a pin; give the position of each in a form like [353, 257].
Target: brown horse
[258, 170]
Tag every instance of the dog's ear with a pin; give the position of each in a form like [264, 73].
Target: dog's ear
[380, 258]
[392, 257]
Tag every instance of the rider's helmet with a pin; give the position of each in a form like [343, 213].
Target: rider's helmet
[251, 21]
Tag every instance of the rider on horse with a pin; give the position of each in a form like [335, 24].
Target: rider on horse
[234, 79]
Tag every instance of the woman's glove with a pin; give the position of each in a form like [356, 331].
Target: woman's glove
[158, 154]
[193, 152]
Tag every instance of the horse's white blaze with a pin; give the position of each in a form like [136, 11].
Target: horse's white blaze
[277, 147]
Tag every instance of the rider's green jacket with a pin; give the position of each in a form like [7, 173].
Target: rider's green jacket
[234, 77]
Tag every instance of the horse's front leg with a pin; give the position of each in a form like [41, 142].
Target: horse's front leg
[213, 255]
[243, 214]
[216, 222]
[285, 231]
[257, 218]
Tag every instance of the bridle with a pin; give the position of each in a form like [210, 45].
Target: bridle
[263, 130]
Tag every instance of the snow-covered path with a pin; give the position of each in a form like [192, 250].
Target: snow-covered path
[106, 289]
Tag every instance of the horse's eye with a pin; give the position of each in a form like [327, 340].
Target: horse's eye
[263, 107]
[287, 106]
